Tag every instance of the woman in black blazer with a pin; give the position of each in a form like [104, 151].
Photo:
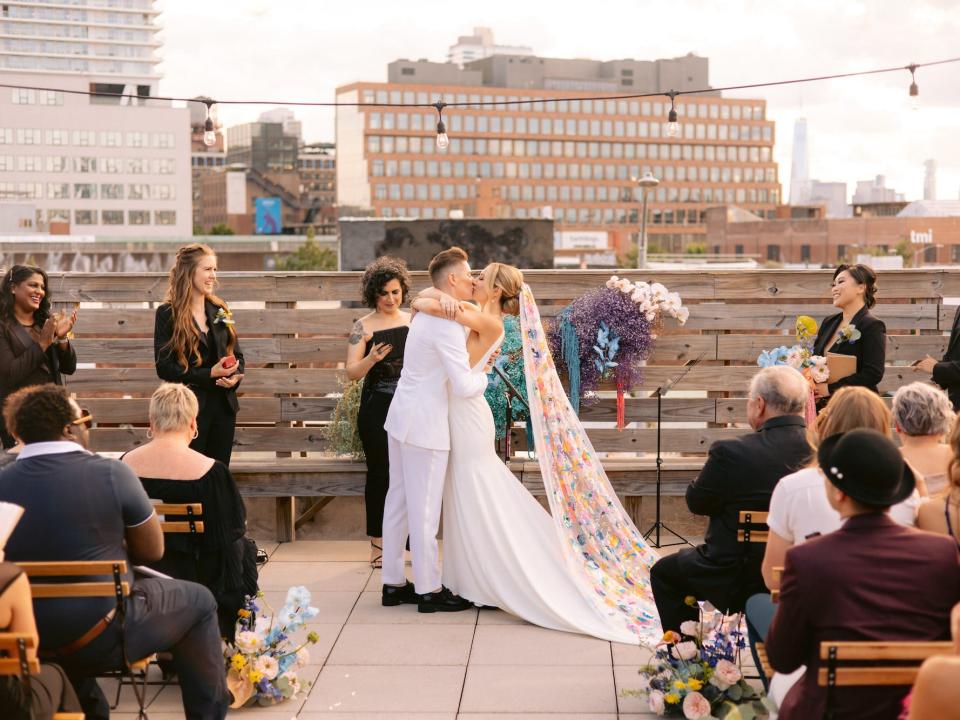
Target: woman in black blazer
[853, 331]
[195, 343]
[34, 343]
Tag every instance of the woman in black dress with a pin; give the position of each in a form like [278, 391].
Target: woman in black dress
[195, 343]
[221, 558]
[853, 330]
[375, 354]
[35, 344]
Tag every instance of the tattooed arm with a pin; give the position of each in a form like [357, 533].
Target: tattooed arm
[358, 363]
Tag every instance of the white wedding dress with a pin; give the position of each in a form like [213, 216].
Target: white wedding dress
[501, 547]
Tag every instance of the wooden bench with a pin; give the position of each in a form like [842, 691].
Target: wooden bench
[293, 329]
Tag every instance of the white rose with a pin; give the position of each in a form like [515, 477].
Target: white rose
[686, 650]
[268, 666]
[690, 628]
[695, 706]
[612, 282]
[683, 314]
[656, 702]
[247, 642]
[725, 674]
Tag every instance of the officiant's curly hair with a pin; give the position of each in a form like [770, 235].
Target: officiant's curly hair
[509, 281]
[378, 273]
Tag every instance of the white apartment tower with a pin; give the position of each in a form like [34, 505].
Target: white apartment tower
[90, 165]
[800, 167]
[930, 179]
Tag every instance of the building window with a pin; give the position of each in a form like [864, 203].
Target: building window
[111, 192]
[111, 139]
[138, 191]
[841, 252]
[57, 137]
[112, 217]
[84, 138]
[773, 253]
[86, 165]
[85, 191]
[165, 217]
[738, 249]
[136, 140]
[29, 136]
[138, 217]
[58, 190]
[804, 253]
[163, 140]
[85, 217]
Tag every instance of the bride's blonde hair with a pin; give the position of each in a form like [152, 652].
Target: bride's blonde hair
[509, 280]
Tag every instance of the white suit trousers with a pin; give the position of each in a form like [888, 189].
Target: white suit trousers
[412, 506]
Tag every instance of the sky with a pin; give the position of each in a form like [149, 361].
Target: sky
[301, 50]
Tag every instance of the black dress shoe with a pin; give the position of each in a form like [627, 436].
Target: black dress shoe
[393, 596]
[442, 601]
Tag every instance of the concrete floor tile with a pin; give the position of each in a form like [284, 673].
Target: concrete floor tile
[538, 688]
[369, 611]
[323, 551]
[536, 716]
[628, 678]
[630, 655]
[335, 606]
[499, 617]
[315, 576]
[402, 645]
[376, 716]
[399, 689]
[529, 645]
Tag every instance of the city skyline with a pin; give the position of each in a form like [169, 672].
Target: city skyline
[858, 128]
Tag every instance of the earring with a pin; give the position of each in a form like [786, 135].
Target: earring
[196, 434]
[149, 434]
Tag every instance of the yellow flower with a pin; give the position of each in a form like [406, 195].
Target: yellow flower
[694, 684]
[670, 637]
[690, 600]
[238, 662]
[806, 327]
[244, 613]
[679, 684]
[255, 676]
[672, 698]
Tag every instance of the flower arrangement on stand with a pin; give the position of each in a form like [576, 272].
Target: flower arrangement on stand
[263, 660]
[693, 674]
[609, 333]
[800, 357]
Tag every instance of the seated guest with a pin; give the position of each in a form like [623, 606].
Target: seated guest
[936, 692]
[50, 691]
[941, 514]
[738, 475]
[923, 416]
[946, 372]
[872, 579]
[79, 506]
[221, 558]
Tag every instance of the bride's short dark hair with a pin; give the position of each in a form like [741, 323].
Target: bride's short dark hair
[443, 260]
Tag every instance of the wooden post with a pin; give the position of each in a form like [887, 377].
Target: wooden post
[286, 507]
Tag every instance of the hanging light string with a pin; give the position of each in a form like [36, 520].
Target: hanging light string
[443, 139]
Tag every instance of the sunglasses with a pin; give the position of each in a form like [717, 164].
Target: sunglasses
[85, 419]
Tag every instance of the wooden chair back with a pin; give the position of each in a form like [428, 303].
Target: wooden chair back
[852, 664]
[116, 587]
[193, 512]
[13, 655]
[752, 526]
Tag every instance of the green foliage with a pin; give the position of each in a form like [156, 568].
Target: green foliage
[221, 229]
[905, 250]
[342, 432]
[198, 230]
[696, 249]
[629, 258]
[309, 256]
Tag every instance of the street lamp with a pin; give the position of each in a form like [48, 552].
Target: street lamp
[647, 182]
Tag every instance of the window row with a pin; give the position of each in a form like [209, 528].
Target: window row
[86, 138]
[685, 108]
[116, 217]
[66, 164]
[86, 191]
[573, 193]
[572, 171]
[458, 123]
[74, 31]
[23, 96]
[576, 216]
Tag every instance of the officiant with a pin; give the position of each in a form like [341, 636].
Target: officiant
[852, 332]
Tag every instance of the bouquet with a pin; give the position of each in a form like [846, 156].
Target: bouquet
[800, 357]
[609, 333]
[693, 674]
[263, 660]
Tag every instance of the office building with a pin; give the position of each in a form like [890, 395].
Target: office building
[832, 195]
[575, 159]
[317, 164]
[91, 165]
[480, 45]
[930, 179]
[800, 190]
[875, 191]
[263, 146]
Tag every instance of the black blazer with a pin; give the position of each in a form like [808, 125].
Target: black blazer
[946, 373]
[870, 350]
[197, 378]
[21, 364]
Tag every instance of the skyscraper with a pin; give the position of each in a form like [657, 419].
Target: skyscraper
[930, 179]
[800, 167]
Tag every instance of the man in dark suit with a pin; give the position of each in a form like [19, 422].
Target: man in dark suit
[870, 580]
[946, 372]
[739, 475]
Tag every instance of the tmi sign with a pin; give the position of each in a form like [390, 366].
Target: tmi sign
[921, 238]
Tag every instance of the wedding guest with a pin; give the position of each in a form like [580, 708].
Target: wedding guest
[375, 355]
[35, 343]
[946, 371]
[936, 692]
[50, 690]
[738, 475]
[923, 417]
[853, 330]
[221, 558]
[871, 580]
[102, 513]
[941, 514]
[195, 343]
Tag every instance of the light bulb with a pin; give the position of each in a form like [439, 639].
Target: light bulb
[673, 127]
[443, 142]
[209, 134]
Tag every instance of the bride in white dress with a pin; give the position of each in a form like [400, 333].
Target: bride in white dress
[585, 569]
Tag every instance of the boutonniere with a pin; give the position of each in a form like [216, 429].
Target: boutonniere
[849, 333]
[225, 317]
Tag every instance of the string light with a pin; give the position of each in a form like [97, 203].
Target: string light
[673, 127]
[209, 134]
[443, 142]
[914, 90]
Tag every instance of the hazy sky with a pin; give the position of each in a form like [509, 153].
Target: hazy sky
[289, 50]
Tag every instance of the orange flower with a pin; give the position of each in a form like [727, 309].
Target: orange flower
[670, 637]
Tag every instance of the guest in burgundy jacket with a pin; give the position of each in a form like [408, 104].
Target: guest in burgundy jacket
[870, 580]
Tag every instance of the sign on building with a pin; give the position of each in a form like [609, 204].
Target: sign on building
[584, 240]
[268, 216]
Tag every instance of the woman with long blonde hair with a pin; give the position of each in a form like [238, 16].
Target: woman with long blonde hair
[195, 343]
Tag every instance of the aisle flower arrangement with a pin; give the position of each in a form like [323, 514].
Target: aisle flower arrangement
[609, 333]
[263, 661]
[694, 674]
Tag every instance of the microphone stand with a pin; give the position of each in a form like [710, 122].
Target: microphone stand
[511, 392]
[658, 524]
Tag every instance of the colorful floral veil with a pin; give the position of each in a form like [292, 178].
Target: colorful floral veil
[599, 538]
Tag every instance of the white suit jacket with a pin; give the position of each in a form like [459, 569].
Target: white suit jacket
[435, 363]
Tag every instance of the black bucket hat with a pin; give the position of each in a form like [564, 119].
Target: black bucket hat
[867, 466]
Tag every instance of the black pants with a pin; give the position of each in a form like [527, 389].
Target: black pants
[50, 692]
[688, 574]
[370, 419]
[216, 426]
[162, 615]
